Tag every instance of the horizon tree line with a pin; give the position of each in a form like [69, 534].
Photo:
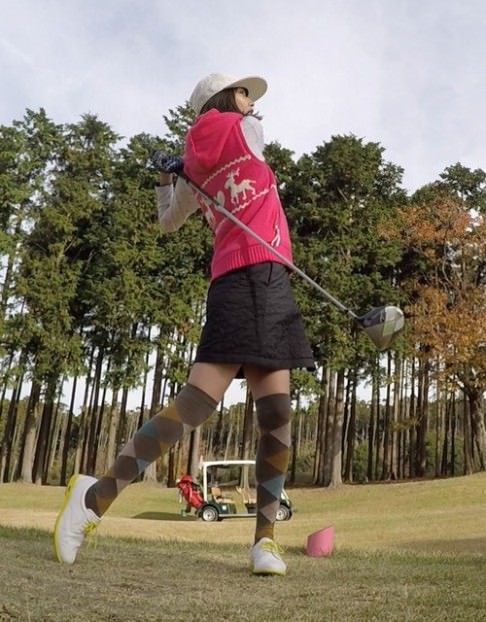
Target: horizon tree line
[93, 295]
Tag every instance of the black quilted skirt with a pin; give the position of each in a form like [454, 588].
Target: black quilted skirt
[252, 319]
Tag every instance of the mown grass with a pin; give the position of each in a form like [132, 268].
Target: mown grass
[403, 552]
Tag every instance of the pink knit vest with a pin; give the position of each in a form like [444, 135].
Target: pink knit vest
[244, 185]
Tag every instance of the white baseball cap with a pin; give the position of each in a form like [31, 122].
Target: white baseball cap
[217, 82]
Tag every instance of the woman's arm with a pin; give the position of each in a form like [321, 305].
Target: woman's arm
[174, 205]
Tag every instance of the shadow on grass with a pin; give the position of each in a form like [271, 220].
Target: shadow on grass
[165, 516]
[457, 545]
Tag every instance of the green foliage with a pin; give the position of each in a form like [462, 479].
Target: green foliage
[430, 451]
[178, 122]
[86, 268]
[305, 462]
[360, 462]
[336, 200]
[468, 185]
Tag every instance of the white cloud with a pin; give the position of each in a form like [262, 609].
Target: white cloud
[405, 73]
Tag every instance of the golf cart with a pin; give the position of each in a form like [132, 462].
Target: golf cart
[226, 490]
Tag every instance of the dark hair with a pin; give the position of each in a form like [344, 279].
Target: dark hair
[224, 101]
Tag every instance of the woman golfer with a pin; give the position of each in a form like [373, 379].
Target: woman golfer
[253, 327]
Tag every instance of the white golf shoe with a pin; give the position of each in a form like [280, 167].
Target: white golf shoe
[75, 521]
[265, 558]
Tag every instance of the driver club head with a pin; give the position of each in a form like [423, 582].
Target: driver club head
[382, 325]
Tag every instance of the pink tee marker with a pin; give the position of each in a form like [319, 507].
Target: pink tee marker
[320, 543]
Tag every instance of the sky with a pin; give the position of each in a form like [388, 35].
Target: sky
[408, 74]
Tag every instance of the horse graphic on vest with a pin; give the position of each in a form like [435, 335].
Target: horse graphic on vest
[238, 189]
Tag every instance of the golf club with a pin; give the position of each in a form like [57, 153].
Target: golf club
[381, 324]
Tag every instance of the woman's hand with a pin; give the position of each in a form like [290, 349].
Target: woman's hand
[166, 163]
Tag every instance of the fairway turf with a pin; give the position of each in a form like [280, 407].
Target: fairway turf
[403, 552]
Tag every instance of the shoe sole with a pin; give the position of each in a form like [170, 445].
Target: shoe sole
[267, 572]
[67, 496]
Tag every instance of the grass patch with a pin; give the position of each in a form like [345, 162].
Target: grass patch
[403, 552]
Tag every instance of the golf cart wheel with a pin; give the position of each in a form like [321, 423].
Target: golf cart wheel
[209, 514]
[283, 513]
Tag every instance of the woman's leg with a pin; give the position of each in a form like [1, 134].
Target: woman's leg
[88, 499]
[195, 403]
[272, 401]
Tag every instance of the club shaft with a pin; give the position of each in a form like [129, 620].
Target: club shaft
[269, 247]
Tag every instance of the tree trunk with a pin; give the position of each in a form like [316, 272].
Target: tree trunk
[67, 435]
[422, 419]
[320, 438]
[227, 446]
[387, 426]
[295, 443]
[150, 473]
[89, 451]
[453, 435]
[194, 450]
[30, 432]
[337, 432]
[247, 445]
[412, 417]
[6, 446]
[438, 428]
[477, 427]
[113, 424]
[83, 418]
[5, 381]
[218, 434]
[350, 432]
[374, 405]
[467, 432]
[39, 469]
[326, 459]
[56, 437]
[394, 458]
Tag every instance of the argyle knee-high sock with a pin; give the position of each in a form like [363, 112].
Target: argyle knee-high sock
[272, 459]
[191, 407]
